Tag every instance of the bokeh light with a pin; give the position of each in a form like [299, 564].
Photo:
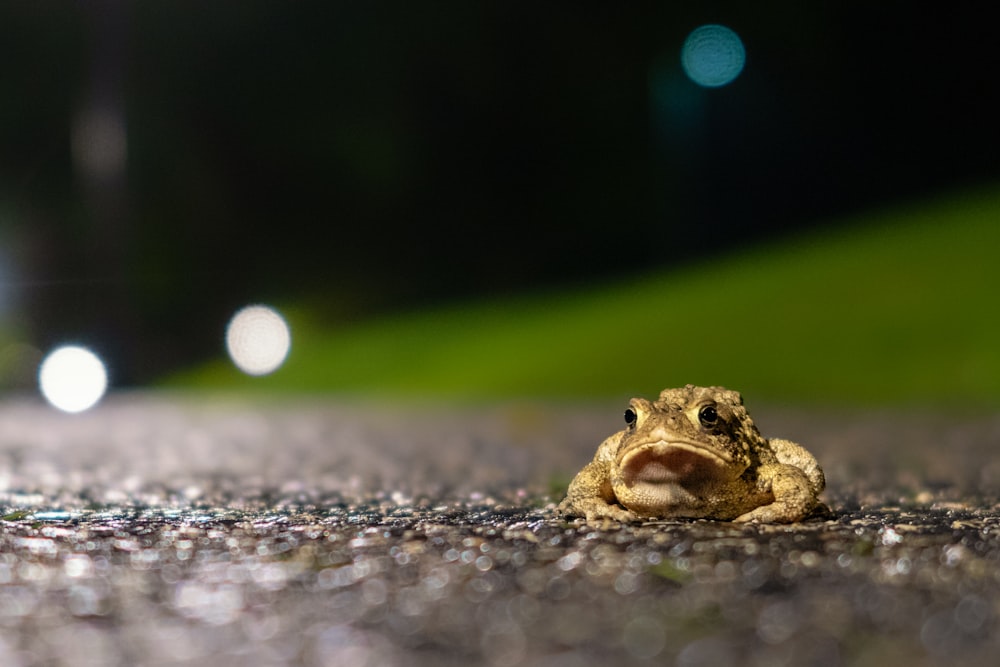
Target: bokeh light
[258, 340]
[6, 277]
[72, 378]
[100, 142]
[713, 55]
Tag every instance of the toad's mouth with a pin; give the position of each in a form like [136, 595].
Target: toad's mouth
[673, 462]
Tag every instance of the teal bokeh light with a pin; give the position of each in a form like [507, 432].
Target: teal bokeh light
[713, 55]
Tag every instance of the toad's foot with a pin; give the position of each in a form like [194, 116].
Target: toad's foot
[596, 508]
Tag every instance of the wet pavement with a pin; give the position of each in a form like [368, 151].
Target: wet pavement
[163, 530]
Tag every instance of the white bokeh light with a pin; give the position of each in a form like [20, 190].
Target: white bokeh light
[99, 141]
[72, 378]
[258, 340]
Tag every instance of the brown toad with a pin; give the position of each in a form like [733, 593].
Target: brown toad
[695, 453]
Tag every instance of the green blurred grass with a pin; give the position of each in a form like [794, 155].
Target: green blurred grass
[897, 306]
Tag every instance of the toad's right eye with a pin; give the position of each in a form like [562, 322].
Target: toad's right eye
[630, 417]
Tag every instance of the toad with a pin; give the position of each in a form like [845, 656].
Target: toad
[695, 453]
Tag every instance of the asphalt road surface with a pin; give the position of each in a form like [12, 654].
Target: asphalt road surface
[165, 530]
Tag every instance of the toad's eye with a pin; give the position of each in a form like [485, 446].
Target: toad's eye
[708, 415]
[630, 417]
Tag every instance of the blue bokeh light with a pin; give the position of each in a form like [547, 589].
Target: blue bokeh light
[713, 55]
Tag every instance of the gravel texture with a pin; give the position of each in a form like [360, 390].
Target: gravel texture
[164, 530]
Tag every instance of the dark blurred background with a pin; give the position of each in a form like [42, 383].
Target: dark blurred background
[163, 162]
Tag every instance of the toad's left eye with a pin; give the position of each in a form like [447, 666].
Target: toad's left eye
[630, 417]
[708, 415]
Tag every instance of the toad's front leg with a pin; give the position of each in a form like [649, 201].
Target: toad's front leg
[794, 497]
[590, 495]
